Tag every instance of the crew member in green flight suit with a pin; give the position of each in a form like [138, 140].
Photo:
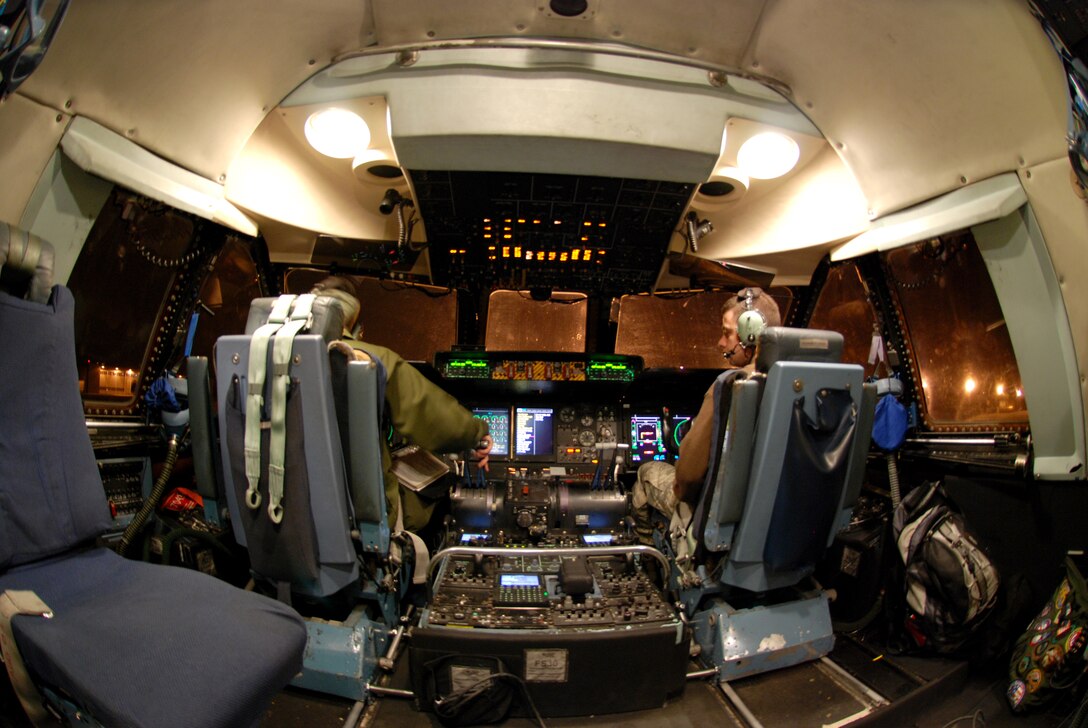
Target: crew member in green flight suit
[420, 412]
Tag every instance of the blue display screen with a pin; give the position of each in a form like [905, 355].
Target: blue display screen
[596, 539]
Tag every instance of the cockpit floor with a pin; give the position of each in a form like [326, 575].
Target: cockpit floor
[920, 691]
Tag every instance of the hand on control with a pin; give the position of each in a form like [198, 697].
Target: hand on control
[482, 451]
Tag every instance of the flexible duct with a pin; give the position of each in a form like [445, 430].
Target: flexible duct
[137, 522]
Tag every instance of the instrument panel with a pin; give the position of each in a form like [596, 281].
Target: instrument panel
[578, 434]
[571, 434]
[576, 413]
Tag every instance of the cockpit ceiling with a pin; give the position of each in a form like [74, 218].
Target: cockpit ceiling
[599, 235]
[914, 102]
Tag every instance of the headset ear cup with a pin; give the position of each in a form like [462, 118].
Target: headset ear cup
[750, 325]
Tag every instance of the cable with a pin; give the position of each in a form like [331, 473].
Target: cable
[449, 706]
[978, 720]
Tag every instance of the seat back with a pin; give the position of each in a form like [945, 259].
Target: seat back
[789, 455]
[51, 495]
[330, 509]
[118, 634]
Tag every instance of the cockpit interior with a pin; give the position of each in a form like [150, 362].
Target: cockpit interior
[546, 362]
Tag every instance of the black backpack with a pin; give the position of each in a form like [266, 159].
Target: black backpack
[950, 585]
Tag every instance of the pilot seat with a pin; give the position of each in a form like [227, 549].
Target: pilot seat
[789, 445]
[88, 636]
[299, 426]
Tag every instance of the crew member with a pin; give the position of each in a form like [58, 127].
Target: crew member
[660, 485]
[420, 411]
[738, 346]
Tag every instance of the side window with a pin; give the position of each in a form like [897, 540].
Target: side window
[120, 283]
[956, 336]
[844, 306]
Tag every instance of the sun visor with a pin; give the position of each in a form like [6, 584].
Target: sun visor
[109, 155]
[981, 202]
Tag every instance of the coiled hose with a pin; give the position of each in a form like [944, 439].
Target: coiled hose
[893, 478]
[152, 501]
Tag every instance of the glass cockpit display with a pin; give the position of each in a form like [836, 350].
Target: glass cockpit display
[498, 423]
[534, 434]
[648, 438]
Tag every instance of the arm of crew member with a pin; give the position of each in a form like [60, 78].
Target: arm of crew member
[430, 417]
[695, 452]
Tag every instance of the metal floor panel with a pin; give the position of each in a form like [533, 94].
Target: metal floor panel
[809, 694]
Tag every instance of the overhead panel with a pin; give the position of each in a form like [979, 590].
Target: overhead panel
[518, 230]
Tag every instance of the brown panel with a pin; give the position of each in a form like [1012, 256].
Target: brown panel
[844, 306]
[679, 330]
[515, 322]
[413, 320]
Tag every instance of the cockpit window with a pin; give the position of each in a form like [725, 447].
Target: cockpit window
[120, 281]
[225, 297]
[680, 329]
[516, 321]
[672, 330]
[844, 306]
[957, 336]
[414, 320]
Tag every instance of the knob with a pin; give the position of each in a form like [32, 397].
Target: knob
[524, 518]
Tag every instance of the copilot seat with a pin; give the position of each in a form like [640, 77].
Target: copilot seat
[788, 452]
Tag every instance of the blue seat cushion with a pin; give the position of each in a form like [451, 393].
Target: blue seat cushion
[228, 651]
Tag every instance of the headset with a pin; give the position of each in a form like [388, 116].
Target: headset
[751, 322]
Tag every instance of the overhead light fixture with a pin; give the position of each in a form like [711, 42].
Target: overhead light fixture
[768, 155]
[337, 133]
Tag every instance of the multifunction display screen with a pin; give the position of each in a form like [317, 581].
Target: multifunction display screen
[498, 423]
[534, 432]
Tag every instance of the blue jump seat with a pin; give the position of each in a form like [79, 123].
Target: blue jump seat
[101, 639]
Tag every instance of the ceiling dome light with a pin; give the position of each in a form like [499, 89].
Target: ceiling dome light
[337, 133]
[768, 155]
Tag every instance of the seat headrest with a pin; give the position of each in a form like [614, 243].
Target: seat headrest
[31, 260]
[779, 343]
[328, 317]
